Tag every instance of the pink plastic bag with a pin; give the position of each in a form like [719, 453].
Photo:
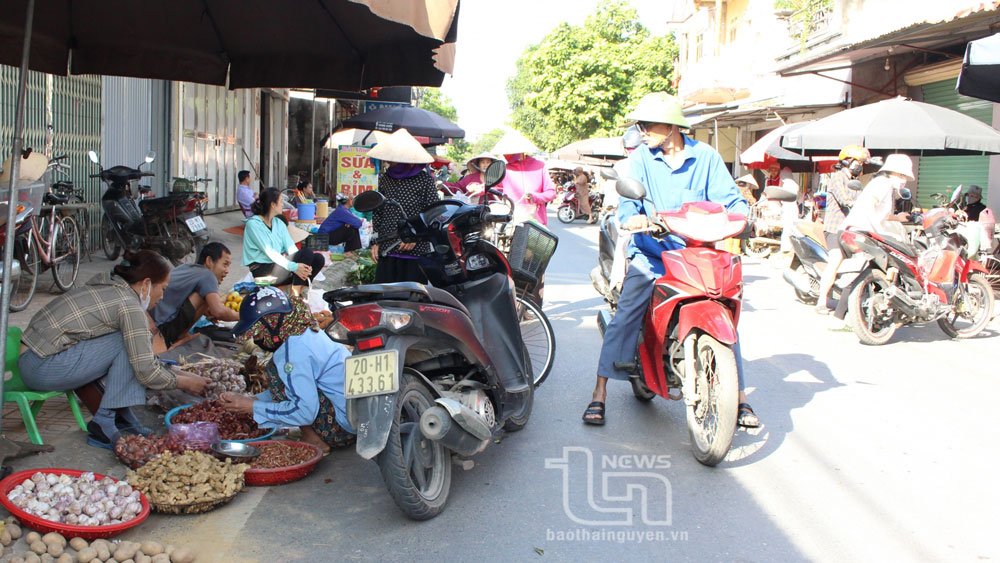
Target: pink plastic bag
[197, 436]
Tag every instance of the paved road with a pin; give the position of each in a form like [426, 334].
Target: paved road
[866, 454]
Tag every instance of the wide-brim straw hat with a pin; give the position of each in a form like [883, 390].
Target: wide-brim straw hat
[298, 235]
[401, 147]
[480, 155]
[513, 142]
[32, 168]
[748, 179]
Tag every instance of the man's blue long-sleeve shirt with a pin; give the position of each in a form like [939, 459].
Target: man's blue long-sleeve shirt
[341, 216]
[703, 176]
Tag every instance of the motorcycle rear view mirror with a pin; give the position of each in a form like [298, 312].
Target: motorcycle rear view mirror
[905, 194]
[630, 188]
[93, 157]
[495, 173]
[150, 157]
[855, 184]
[368, 201]
[609, 174]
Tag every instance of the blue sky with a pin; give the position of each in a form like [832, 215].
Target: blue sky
[492, 35]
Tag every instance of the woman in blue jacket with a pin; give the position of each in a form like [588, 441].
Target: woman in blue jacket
[343, 226]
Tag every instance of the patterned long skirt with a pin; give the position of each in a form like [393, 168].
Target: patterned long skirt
[326, 421]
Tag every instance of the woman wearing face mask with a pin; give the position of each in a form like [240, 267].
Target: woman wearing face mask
[872, 211]
[473, 183]
[527, 182]
[405, 179]
[305, 374]
[101, 330]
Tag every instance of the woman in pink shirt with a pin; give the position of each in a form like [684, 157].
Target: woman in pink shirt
[527, 181]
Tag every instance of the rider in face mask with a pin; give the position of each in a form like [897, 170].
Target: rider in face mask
[974, 202]
[872, 212]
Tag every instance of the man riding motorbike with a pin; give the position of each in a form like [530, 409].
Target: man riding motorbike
[675, 169]
[839, 199]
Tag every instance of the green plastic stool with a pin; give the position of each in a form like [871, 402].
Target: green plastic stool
[29, 401]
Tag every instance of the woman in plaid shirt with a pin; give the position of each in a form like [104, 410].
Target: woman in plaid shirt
[101, 331]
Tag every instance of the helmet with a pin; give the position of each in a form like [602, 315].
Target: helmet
[264, 301]
[632, 137]
[857, 152]
[898, 163]
[659, 107]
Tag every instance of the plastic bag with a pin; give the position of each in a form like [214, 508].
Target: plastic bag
[365, 232]
[316, 302]
[197, 436]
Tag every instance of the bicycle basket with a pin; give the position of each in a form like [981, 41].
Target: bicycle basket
[531, 247]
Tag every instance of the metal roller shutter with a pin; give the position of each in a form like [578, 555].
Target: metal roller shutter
[941, 174]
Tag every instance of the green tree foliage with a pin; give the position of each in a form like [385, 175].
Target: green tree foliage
[580, 81]
[485, 142]
[431, 99]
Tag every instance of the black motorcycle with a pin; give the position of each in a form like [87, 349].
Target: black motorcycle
[171, 225]
[439, 369]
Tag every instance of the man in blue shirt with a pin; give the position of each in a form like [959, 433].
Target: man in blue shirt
[343, 225]
[675, 170]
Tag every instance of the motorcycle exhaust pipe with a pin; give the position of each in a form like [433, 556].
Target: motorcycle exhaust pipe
[899, 299]
[437, 424]
[797, 280]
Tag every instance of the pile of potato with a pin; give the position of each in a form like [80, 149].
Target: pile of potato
[192, 477]
[53, 548]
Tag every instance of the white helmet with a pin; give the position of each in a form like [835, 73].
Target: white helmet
[898, 163]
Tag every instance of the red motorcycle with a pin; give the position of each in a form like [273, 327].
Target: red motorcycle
[569, 207]
[931, 280]
[689, 331]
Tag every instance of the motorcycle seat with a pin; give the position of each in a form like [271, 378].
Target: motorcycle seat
[155, 204]
[63, 185]
[404, 291]
[55, 199]
[903, 247]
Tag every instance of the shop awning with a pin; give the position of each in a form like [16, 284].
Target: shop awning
[963, 27]
[739, 117]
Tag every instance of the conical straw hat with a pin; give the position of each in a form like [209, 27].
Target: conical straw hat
[513, 142]
[401, 147]
[32, 168]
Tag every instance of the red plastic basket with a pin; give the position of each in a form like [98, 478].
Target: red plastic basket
[282, 475]
[71, 531]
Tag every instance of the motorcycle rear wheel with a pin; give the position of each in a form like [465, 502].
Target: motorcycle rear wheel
[711, 420]
[859, 310]
[566, 214]
[417, 471]
[979, 294]
[519, 420]
[109, 240]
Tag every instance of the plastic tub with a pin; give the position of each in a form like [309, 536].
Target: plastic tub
[307, 212]
[44, 526]
[170, 414]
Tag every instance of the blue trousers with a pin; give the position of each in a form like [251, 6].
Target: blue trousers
[621, 338]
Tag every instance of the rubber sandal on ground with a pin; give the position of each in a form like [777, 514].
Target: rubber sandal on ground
[594, 408]
[820, 310]
[747, 418]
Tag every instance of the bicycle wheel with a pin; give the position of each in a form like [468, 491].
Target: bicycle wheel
[22, 289]
[538, 338]
[65, 253]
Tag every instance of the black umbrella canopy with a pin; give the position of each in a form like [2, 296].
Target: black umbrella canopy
[897, 125]
[980, 76]
[415, 120]
[338, 44]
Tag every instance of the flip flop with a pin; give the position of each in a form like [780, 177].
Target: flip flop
[595, 408]
[747, 418]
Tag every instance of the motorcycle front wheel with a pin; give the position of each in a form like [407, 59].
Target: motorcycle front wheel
[109, 240]
[566, 214]
[417, 471]
[711, 420]
[975, 309]
[861, 314]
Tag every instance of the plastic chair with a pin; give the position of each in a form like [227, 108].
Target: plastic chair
[29, 401]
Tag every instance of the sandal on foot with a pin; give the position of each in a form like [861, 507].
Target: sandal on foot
[747, 418]
[822, 310]
[595, 408]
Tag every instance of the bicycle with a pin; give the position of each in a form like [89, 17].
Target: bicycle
[60, 252]
[76, 197]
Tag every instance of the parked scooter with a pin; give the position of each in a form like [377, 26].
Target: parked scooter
[569, 209]
[436, 372]
[690, 327]
[170, 225]
[905, 283]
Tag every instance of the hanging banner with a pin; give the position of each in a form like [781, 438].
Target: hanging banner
[355, 171]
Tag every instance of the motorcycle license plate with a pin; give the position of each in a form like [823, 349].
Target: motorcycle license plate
[196, 224]
[371, 374]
